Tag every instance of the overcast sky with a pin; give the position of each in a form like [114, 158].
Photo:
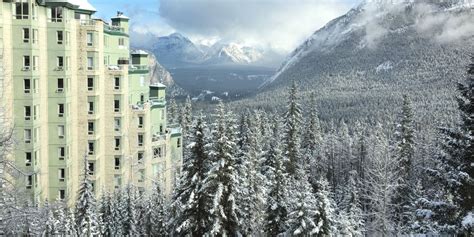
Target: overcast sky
[280, 25]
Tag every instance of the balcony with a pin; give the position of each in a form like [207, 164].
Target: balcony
[158, 101]
[87, 22]
[114, 29]
[138, 68]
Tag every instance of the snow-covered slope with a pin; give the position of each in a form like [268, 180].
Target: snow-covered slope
[380, 31]
[175, 50]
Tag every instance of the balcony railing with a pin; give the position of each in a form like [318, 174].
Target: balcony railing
[110, 28]
[133, 68]
[87, 22]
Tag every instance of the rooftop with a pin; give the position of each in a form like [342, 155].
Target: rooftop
[80, 4]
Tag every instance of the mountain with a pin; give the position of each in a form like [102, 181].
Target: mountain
[177, 50]
[221, 53]
[360, 64]
[159, 74]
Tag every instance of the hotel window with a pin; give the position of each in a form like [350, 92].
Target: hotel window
[140, 139]
[90, 148]
[90, 127]
[117, 83]
[21, 9]
[121, 42]
[161, 128]
[91, 168]
[35, 112]
[62, 194]
[178, 143]
[35, 86]
[117, 181]
[60, 85]
[117, 105]
[27, 135]
[27, 86]
[91, 107]
[61, 131]
[140, 121]
[90, 63]
[36, 134]
[29, 181]
[140, 156]
[60, 62]
[90, 39]
[117, 143]
[27, 112]
[117, 162]
[60, 110]
[62, 175]
[142, 98]
[117, 124]
[26, 63]
[90, 83]
[28, 158]
[60, 36]
[57, 14]
[157, 152]
[34, 36]
[35, 63]
[61, 153]
[26, 35]
[141, 175]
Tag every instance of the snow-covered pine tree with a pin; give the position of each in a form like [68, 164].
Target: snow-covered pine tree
[50, 227]
[277, 198]
[190, 204]
[313, 143]
[380, 184]
[155, 215]
[351, 216]
[345, 156]
[172, 114]
[60, 214]
[293, 120]
[222, 181]
[454, 169]
[130, 224]
[118, 213]
[105, 214]
[254, 181]
[87, 222]
[324, 219]
[330, 146]
[404, 194]
[303, 208]
[186, 117]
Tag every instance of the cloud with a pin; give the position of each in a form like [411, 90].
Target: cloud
[444, 26]
[277, 24]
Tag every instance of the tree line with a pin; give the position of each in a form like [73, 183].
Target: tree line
[264, 173]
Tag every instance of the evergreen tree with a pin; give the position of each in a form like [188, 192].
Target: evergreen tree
[277, 198]
[130, 224]
[106, 218]
[222, 180]
[304, 209]
[293, 120]
[155, 214]
[172, 115]
[254, 184]
[86, 219]
[351, 215]
[186, 117]
[380, 184]
[404, 194]
[454, 169]
[313, 143]
[190, 203]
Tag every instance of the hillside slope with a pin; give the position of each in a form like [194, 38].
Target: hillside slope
[361, 63]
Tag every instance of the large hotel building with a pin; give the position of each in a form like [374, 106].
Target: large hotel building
[72, 90]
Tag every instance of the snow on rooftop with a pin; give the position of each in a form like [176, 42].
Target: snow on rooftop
[139, 51]
[81, 4]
